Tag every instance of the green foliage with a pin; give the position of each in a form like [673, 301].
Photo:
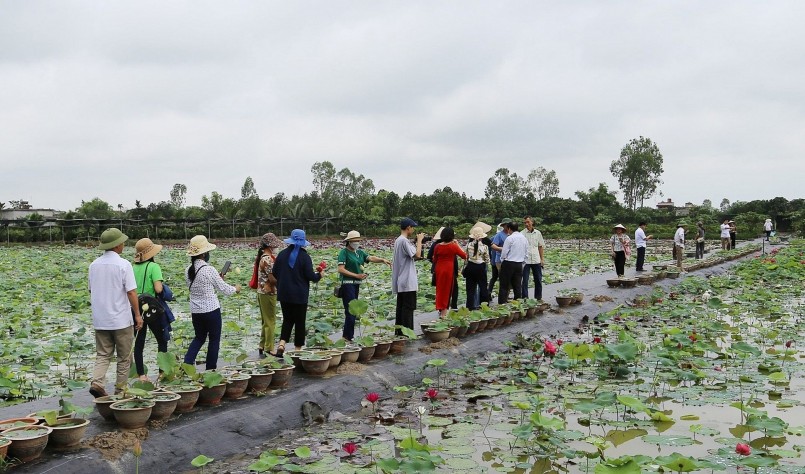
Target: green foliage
[638, 171]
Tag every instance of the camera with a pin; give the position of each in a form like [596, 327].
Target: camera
[426, 239]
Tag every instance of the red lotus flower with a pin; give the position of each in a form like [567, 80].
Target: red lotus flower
[788, 344]
[743, 449]
[692, 337]
[372, 397]
[431, 393]
[550, 349]
[597, 340]
[350, 448]
[559, 342]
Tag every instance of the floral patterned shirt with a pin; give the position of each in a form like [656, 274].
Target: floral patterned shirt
[266, 284]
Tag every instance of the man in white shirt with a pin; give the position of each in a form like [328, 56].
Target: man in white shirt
[679, 244]
[113, 296]
[535, 260]
[512, 256]
[725, 235]
[403, 273]
[640, 238]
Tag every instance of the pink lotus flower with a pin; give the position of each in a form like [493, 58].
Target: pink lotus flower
[550, 349]
[350, 448]
[743, 449]
[432, 393]
[372, 397]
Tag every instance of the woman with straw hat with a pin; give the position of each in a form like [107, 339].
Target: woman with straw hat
[350, 269]
[293, 270]
[148, 276]
[203, 281]
[619, 243]
[267, 291]
[475, 270]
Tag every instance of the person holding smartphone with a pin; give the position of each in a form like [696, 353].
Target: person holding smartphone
[203, 281]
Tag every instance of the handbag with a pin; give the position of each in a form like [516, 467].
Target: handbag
[150, 307]
[253, 281]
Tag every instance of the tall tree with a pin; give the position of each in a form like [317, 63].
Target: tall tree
[178, 193]
[543, 183]
[95, 209]
[638, 171]
[247, 190]
[503, 185]
[707, 203]
[725, 204]
[600, 200]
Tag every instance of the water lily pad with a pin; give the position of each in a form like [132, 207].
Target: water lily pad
[669, 440]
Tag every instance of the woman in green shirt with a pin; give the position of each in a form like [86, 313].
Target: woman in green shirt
[148, 276]
[350, 268]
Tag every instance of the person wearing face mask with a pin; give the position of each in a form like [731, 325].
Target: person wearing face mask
[350, 271]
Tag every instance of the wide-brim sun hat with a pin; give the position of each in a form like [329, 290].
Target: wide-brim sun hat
[111, 238]
[270, 240]
[483, 225]
[297, 238]
[199, 245]
[353, 236]
[145, 250]
[619, 226]
[438, 234]
[477, 233]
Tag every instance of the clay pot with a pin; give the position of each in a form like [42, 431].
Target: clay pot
[260, 380]
[564, 301]
[4, 444]
[482, 325]
[164, 405]
[335, 358]
[132, 414]
[296, 356]
[462, 331]
[210, 396]
[236, 385]
[281, 377]
[473, 327]
[531, 312]
[436, 336]
[366, 353]
[673, 274]
[578, 298]
[188, 397]
[316, 365]
[382, 349]
[453, 331]
[628, 282]
[351, 354]
[613, 282]
[398, 346]
[645, 279]
[67, 432]
[15, 422]
[27, 442]
[102, 404]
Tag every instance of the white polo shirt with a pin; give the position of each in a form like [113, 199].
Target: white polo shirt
[110, 279]
[640, 237]
[515, 248]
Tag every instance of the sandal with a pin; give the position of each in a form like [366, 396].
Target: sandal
[280, 350]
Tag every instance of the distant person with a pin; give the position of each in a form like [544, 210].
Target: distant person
[403, 273]
[444, 263]
[475, 272]
[641, 239]
[512, 255]
[113, 297]
[767, 227]
[679, 244]
[148, 276]
[494, 254]
[535, 260]
[725, 235]
[619, 242]
[294, 271]
[733, 234]
[203, 280]
[351, 260]
[267, 292]
[699, 240]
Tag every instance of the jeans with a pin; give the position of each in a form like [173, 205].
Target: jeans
[349, 292]
[205, 324]
[108, 342]
[406, 304]
[700, 249]
[536, 270]
[641, 258]
[477, 291]
[511, 277]
[158, 330]
[294, 317]
[268, 316]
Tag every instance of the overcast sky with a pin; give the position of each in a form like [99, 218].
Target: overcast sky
[120, 100]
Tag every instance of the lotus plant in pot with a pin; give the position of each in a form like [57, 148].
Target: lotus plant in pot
[438, 332]
[179, 379]
[236, 385]
[400, 342]
[134, 411]
[67, 432]
[283, 370]
[213, 387]
[27, 442]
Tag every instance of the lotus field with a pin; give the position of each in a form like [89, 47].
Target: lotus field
[703, 376]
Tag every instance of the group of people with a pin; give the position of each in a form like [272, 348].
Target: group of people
[120, 319]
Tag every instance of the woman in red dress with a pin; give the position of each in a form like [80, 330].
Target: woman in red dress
[444, 259]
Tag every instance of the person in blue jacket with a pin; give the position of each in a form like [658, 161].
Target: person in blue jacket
[294, 271]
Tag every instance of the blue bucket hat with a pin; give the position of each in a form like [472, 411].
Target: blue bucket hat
[297, 238]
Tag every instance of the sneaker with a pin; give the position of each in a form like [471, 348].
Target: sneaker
[97, 391]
